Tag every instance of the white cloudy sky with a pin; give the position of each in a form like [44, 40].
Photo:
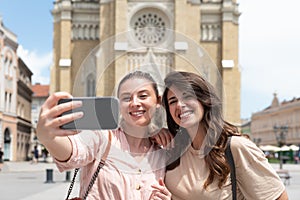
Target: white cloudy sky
[269, 46]
[39, 64]
[269, 52]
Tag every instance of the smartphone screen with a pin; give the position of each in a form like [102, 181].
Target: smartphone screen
[98, 113]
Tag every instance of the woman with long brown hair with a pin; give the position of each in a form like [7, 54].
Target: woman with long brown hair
[194, 117]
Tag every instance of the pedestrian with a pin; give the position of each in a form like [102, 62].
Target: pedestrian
[1, 155]
[1, 158]
[45, 154]
[194, 115]
[35, 155]
[134, 167]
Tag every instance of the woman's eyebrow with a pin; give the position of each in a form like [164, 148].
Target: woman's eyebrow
[141, 91]
[129, 94]
[171, 98]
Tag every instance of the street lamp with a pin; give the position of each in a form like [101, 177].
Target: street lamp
[280, 135]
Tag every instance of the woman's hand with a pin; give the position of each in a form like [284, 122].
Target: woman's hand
[160, 191]
[49, 122]
[48, 129]
[163, 138]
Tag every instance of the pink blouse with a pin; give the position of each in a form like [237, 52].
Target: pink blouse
[122, 176]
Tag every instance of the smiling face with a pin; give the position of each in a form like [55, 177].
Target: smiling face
[138, 101]
[184, 108]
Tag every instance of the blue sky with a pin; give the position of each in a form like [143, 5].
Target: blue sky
[31, 21]
[269, 44]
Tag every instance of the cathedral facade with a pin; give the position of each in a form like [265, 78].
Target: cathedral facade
[96, 42]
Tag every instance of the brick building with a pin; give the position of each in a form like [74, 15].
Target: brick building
[39, 96]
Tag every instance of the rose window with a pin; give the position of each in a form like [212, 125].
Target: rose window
[149, 28]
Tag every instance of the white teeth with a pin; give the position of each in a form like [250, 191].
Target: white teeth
[185, 114]
[138, 113]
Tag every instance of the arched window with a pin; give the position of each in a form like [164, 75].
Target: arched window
[10, 102]
[7, 145]
[10, 66]
[22, 111]
[6, 66]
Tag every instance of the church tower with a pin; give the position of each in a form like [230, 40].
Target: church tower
[96, 42]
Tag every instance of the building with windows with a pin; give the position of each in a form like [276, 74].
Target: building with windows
[24, 99]
[15, 98]
[39, 96]
[98, 42]
[278, 124]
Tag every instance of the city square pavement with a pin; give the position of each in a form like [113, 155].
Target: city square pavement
[26, 181]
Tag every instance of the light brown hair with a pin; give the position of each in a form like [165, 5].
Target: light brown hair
[217, 129]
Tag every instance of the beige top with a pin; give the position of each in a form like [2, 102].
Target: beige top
[256, 179]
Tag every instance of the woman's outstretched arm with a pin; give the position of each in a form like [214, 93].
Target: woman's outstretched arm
[49, 132]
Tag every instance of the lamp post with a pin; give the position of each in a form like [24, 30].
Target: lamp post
[280, 135]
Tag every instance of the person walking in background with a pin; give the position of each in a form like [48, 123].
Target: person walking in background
[44, 154]
[194, 117]
[1, 158]
[35, 155]
[134, 167]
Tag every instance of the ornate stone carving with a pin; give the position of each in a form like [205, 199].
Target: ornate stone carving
[211, 20]
[150, 23]
[210, 32]
[149, 28]
[81, 31]
[163, 62]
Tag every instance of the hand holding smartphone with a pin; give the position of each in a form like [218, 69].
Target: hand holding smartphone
[98, 113]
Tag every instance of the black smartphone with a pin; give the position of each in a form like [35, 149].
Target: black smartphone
[98, 113]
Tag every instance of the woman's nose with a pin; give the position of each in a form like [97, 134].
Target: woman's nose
[180, 103]
[135, 101]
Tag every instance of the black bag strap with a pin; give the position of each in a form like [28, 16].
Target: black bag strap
[230, 160]
[95, 175]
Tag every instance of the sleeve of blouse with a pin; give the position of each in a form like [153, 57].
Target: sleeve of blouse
[256, 178]
[86, 146]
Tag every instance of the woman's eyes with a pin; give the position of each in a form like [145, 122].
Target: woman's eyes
[185, 97]
[172, 102]
[126, 99]
[188, 96]
[141, 96]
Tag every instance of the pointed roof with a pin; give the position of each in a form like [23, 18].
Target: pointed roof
[275, 101]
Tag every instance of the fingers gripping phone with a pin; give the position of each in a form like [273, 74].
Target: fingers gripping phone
[98, 113]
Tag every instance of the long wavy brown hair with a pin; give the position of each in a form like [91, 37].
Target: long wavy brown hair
[217, 129]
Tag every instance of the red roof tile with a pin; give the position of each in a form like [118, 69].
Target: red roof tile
[40, 90]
